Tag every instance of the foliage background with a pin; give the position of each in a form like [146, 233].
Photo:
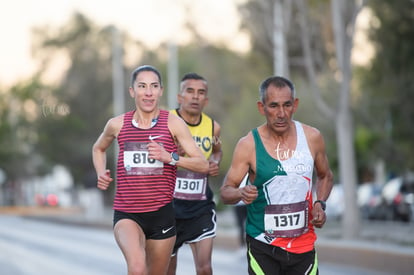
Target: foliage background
[43, 124]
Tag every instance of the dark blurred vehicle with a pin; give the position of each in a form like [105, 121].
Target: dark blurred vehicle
[398, 195]
[371, 202]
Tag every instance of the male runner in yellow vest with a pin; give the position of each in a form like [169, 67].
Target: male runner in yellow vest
[193, 198]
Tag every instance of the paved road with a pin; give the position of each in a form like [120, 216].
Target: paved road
[33, 247]
[39, 247]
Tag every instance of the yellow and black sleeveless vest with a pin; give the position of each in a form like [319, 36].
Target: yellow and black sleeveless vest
[203, 135]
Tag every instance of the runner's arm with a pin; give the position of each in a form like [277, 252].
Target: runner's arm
[324, 175]
[99, 151]
[217, 153]
[194, 159]
[230, 192]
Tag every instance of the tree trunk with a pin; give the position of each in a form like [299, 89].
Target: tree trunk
[279, 40]
[347, 172]
[344, 17]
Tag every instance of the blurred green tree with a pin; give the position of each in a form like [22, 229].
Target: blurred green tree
[315, 38]
[19, 159]
[74, 114]
[388, 85]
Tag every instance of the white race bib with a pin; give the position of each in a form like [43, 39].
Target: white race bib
[137, 162]
[286, 220]
[190, 186]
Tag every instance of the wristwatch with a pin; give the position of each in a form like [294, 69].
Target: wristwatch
[323, 204]
[174, 158]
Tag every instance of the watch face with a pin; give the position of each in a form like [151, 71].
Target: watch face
[323, 205]
[175, 156]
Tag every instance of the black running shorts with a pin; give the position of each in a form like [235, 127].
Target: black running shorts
[268, 259]
[195, 229]
[157, 225]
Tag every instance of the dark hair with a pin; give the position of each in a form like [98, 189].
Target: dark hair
[192, 76]
[276, 81]
[145, 68]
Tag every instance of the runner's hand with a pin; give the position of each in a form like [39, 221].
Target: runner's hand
[104, 180]
[319, 216]
[248, 193]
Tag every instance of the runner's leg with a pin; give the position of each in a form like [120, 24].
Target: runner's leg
[131, 240]
[159, 255]
[172, 268]
[202, 251]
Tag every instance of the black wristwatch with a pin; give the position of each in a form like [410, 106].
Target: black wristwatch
[174, 158]
[323, 204]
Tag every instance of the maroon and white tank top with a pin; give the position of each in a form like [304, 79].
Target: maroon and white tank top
[143, 184]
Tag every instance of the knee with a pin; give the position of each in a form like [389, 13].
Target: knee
[204, 269]
[136, 269]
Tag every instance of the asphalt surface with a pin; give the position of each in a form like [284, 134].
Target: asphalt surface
[385, 247]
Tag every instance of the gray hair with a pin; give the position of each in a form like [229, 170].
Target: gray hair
[276, 81]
